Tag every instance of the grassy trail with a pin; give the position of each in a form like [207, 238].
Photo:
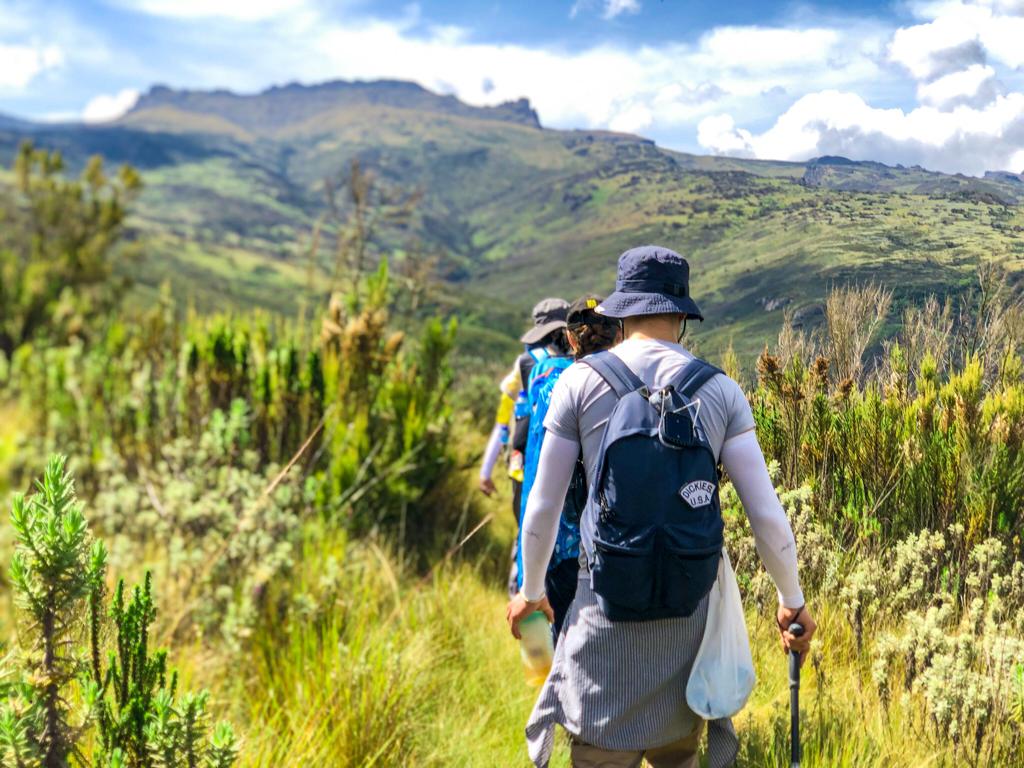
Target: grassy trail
[399, 670]
[479, 702]
[393, 669]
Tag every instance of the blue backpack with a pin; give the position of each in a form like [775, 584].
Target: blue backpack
[542, 382]
[653, 525]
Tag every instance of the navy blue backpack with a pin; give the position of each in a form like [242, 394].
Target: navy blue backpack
[653, 522]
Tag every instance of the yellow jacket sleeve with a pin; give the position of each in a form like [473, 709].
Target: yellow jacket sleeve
[505, 409]
[510, 387]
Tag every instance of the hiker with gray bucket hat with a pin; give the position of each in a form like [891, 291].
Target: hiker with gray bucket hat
[653, 424]
[546, 336]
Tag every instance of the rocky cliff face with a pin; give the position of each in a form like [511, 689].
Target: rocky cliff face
[281, 106]
[1013, 178]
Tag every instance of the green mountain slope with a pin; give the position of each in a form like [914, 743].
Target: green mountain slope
[235, 186]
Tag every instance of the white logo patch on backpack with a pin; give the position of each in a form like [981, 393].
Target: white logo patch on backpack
[698, 493]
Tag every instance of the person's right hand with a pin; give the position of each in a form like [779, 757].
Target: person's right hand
[519, 608]
[486, 486]
[791, 642]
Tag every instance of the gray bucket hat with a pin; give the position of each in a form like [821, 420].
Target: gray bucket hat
[651, 281]
[548, 315]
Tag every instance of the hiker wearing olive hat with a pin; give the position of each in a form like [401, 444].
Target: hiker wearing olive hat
[652, 423]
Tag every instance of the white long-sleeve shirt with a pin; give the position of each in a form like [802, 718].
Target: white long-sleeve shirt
[581, 404]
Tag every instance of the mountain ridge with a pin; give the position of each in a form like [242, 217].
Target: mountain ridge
[332, 94]
[265, 112]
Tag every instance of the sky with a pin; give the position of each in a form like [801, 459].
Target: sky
[937, 83]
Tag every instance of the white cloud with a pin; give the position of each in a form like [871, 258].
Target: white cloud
[761, 47]
[963, 139]
[632, 118]
[586, 89]
[975, 86]
[104, 108]
[958, 35]
[1007, 7]
[604, 86]
[609, 8]
[689, 94]
[719, 134]
[613, 8]
[20, 64]
[240, 10]
[962, 56]
[947, 44]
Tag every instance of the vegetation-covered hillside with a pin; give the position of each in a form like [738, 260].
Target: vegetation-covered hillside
[236, 185]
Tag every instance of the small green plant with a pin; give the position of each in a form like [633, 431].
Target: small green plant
[1017, 695]
[56, 565]
[130, 713]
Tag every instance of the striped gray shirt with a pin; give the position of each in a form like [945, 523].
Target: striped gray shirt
[622, 685]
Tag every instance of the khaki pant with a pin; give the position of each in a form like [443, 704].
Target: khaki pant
[678, 754]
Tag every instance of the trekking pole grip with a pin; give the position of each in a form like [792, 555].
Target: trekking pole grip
[797, 630]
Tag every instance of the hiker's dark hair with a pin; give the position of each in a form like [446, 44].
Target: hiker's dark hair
[557, 343]
[594, 334]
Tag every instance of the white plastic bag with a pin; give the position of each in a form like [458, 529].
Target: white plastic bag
[723, 673]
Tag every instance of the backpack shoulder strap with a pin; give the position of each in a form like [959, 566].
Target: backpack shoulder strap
[695, 374]
[525, 363]
[616, 373]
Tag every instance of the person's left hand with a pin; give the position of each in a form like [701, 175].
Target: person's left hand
[519, 608]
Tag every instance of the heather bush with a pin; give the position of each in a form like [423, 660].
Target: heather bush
[940, 633]
[959, 645]
[214, 525]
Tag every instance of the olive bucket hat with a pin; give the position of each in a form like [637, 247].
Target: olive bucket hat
[651, 281]
[584, 310]
[548, 315]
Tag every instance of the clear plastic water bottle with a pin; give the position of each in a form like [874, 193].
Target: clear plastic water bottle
[536, 648]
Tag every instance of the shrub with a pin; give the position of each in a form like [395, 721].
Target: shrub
[914, 444]
[59, 242]
[138, 716]
[362, 410]
[218, 527]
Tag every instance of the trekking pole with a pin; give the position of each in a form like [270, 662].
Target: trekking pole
[796, 630]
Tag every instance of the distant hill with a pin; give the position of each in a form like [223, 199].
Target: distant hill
[14, 124]
[832, 172]
[515, 211]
